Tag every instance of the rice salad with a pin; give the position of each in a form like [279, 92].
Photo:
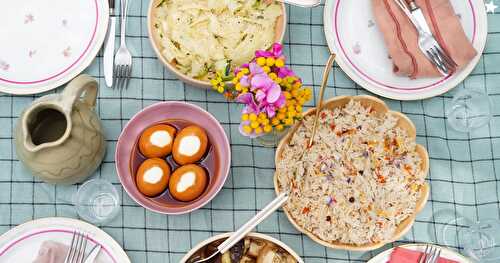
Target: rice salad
[360, 179]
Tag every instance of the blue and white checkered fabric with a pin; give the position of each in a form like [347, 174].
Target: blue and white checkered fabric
[464, 176]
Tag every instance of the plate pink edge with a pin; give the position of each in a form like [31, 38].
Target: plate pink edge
[57, 230]
[159, 112]
[87, 47]
[382, 85]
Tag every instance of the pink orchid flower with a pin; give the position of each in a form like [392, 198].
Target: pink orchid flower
[276, 52]
[249, 101]
[285, 72]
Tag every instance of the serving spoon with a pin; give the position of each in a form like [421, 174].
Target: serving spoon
[247, 227]
[326, 74]
[302, 3]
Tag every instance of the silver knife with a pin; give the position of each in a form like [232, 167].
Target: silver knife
[93, 254]
[109, 48]
[419, 17]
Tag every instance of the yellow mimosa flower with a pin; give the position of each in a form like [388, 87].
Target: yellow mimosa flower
[261, 61]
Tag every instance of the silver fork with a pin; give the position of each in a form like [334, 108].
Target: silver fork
[426, 40]
[430, 255]
[76, 251]
[123, 58]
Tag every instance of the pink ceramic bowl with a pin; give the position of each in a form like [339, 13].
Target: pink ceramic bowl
[128, 158]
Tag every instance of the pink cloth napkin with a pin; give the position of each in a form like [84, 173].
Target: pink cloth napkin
[401, 36]
[54, 252]
[403, 255]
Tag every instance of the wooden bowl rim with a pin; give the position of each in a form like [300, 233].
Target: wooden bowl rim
[279, 36]
[406, 225]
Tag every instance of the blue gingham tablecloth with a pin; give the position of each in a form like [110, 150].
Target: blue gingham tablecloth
[464, 175]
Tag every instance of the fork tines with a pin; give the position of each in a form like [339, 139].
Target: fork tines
[123, 74]
[430, 255]
[441, 59]
[76, 251]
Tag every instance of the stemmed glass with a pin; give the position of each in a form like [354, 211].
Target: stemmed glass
[469, 110]
[480, 240]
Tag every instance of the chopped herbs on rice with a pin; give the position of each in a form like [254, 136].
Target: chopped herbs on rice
[358, 182]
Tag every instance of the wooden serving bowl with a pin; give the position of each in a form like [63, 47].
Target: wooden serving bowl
[381, 108]
[280, 29]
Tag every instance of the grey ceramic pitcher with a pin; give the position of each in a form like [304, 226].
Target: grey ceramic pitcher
[60, 137]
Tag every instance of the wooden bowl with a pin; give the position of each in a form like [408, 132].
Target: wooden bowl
[254, 235]
[381, 108]
[280, 29]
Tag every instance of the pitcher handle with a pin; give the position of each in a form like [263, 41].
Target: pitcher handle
[75, 89]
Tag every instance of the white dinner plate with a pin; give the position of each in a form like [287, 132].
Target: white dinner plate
[352, 34]
[446, 253]
[21, 244]
[46, 43]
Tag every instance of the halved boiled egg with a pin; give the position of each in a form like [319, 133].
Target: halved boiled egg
[188, 182]
[152, 177]
[156, 141]
[190, 145]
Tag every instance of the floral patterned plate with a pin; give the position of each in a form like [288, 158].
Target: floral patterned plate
[46, 43]
[364, 57]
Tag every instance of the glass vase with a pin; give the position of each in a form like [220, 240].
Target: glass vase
[273, 138]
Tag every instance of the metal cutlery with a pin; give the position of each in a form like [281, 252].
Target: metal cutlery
[123, 58]
[426, 40]
[91, 258]
[326, 74]
[76, 251]
[430, 255]
[247, 227]
[109, 48]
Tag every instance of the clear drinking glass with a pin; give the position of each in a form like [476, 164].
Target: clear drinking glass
[479, 240]
[469, 110]
[97, 201]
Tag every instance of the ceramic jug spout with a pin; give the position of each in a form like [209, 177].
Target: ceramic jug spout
[45, 125]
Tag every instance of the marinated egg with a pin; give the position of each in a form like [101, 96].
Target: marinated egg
[190, 145]
[157, 141]
[152, 177]
[188, 182]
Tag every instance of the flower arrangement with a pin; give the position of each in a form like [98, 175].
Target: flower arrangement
[272, 93]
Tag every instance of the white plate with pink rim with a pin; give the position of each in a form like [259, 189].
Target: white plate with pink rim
[445, 253]
[22, 243]
[352, 34]
[46, 43]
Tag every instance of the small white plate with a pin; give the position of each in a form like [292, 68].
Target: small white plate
[446, 253]
[21, 244]
[46, 43]
[352, 34]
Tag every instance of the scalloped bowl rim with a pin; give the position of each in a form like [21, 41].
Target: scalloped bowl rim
[406, 224]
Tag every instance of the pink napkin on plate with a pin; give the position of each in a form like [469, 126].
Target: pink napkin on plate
[54, 252]
[403, 255]
[401, 36]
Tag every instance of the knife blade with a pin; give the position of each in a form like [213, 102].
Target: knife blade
[109, 48]
[93, 254]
